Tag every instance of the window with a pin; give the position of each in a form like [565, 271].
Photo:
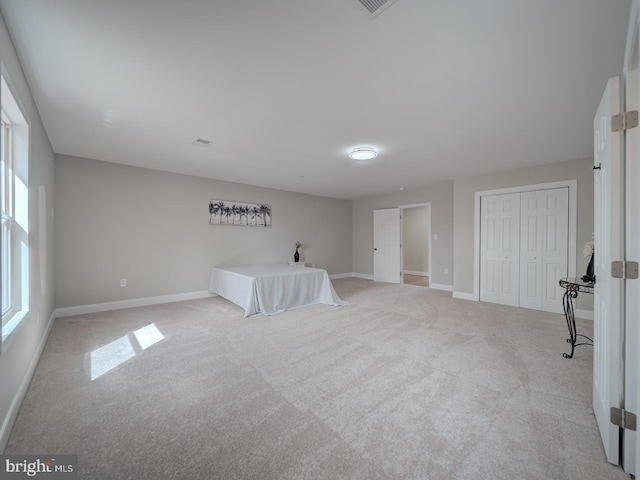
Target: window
[14, 208]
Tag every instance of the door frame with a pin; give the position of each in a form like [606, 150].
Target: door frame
[402, 208]
[573, 224]
[630, 93]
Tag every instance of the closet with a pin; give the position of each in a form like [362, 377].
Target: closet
[524, 241]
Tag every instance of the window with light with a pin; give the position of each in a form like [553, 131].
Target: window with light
[14, 205]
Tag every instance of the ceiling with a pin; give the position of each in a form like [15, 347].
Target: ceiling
[283, 89]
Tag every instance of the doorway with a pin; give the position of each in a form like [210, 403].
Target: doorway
[388, 239]
[416, 244]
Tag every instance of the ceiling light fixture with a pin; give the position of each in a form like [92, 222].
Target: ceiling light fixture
[363, 153]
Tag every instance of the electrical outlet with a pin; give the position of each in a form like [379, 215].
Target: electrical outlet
[123, 282]
[446, 271]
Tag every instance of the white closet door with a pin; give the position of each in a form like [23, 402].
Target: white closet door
[499, 248]
[544, 239]
[531, 249]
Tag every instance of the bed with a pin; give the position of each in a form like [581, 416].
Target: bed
[273, 287]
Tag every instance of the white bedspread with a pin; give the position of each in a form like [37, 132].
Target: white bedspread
[273, 287]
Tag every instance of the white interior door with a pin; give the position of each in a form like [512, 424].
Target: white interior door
[544, 242]
[499, 248]
[386, 245]
[608, 292]
[631, 457]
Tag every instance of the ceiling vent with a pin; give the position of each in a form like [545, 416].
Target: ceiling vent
[201, 142]
[373, 8]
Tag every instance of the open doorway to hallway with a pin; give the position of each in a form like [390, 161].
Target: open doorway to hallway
[416, 244]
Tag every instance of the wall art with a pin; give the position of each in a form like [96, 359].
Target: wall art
[224, 212]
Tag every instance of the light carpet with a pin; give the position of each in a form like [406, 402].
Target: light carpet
[404, 383]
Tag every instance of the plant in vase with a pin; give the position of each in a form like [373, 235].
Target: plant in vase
[588, 251]
[296, 256]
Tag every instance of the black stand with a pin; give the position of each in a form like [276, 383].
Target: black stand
[573, 286]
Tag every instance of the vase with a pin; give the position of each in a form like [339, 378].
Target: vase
[296, 256]
[589, 277]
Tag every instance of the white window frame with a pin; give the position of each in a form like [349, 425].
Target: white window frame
[14, 200]
[6, 165]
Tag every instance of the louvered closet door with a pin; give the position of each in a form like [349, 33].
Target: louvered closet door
[544, 238]
[499, 248]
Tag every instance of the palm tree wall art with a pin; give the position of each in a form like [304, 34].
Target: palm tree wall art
[224, 212]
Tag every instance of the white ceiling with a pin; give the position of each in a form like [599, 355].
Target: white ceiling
[285, 88]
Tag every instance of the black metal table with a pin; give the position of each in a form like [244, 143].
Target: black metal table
[573, 286]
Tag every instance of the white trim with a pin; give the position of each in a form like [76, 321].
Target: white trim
[414, 205]
[11, 327]
[465, 296]
[14, 408]
[573, 223]
[413, 272]
[632, 31]
[441, 286]
[340, 275]
[585, 314]
[402, 208]
[630, 449]
[362, 275]
[134, 302]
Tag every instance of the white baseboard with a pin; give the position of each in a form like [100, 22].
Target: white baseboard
[340, 275]
[14, 408]
[413, 272]
[465, 296]
[435, 286]
[441, 286]
[586, 314]
[362, 275]
[134, 302]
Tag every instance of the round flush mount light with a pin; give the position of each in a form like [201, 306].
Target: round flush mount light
[363, 153]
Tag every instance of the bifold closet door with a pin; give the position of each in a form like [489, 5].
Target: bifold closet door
[499, 248]
[544, 236]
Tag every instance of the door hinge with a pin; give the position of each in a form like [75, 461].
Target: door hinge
[624, 269]
[624, 121]
[623, 418]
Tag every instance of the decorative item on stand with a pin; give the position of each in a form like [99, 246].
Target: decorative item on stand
[588, 252]
[296, 256]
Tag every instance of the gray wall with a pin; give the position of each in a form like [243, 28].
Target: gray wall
[415, 239]
[151, 227]
[19, 360]
[464, 197]
[440, 196]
